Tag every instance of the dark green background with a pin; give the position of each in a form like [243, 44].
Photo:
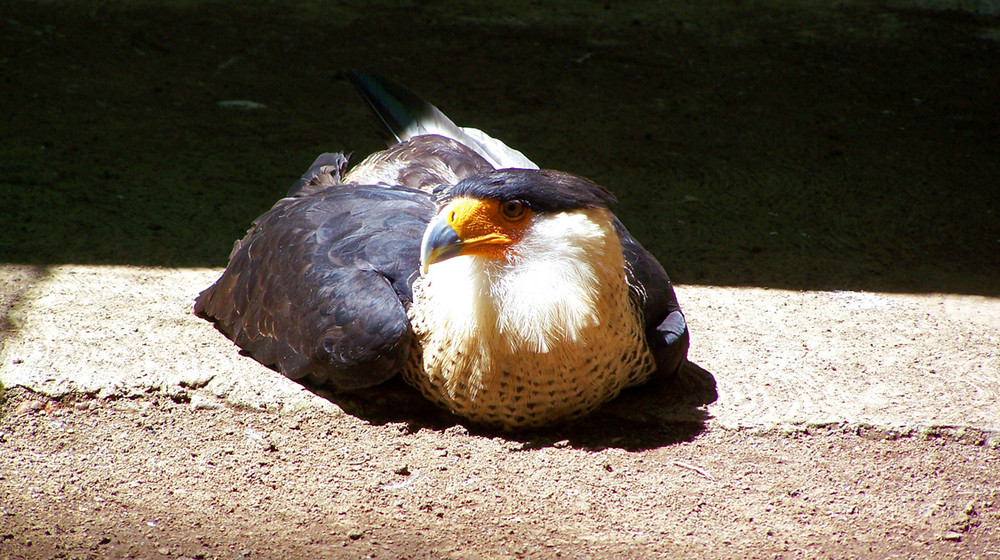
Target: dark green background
[782, 144]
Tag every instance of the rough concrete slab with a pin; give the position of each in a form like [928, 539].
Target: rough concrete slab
[778, 357]
[783, 357]
[121, 331]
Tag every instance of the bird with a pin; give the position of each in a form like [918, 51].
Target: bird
[507, 294]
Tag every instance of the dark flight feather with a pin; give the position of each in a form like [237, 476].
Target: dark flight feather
[406, 116]
[399, 109]
[319, 287]
[666, 329]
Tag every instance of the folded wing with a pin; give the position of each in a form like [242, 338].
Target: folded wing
[318, 288]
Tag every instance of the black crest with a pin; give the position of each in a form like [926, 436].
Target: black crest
[543, 190]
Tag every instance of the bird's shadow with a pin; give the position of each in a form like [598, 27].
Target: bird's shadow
[659, 413]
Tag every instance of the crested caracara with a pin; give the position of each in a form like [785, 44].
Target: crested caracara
[506, 294]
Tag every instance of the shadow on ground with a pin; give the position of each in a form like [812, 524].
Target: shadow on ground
[661, 412]
[846, 147]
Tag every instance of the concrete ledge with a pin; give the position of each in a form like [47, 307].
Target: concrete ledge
[897, 362]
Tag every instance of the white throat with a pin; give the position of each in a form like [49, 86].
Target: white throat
[548, 289]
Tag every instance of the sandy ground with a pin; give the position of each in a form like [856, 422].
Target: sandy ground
[819, 178]
[131, 428]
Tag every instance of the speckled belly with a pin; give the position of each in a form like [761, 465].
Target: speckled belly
[528, 389]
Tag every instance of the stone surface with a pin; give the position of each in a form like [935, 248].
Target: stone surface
[911, 362]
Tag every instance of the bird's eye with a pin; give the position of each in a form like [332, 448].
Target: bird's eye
[512, 209]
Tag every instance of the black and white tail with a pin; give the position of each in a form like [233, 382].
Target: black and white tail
[406, 115]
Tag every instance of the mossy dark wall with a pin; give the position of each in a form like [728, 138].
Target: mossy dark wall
[761, 143]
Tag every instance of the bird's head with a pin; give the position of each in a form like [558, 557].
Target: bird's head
[489, 214]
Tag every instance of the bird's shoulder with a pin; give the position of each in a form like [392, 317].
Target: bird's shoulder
[422, 162]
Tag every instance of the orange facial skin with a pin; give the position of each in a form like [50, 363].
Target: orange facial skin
[472, 226]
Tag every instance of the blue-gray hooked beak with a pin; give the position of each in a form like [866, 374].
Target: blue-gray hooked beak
[440, 243]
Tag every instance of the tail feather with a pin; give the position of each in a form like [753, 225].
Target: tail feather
[406, 115]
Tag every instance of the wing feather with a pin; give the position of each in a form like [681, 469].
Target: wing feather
[318, 288]
[666, 328]
[407, 116]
